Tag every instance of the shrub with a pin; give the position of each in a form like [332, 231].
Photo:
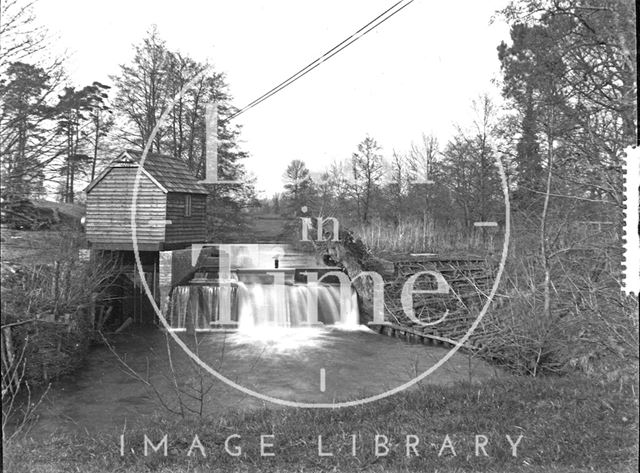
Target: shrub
[412, 235]
[590, 327]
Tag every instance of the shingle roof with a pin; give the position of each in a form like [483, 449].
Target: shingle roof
[171, 173]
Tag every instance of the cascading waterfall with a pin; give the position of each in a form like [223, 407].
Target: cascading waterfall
[255, 305]
[262, 305]
[200, 302]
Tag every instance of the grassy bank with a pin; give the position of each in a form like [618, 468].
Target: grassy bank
[567, 424]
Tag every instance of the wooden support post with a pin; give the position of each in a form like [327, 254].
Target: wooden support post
[165, 280]
[92, 311]
[154, 283]
[134, 294]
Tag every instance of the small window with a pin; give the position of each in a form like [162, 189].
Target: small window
[187, 206]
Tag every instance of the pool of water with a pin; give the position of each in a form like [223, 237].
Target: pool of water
[305, 364]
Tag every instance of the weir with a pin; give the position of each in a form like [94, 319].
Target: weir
[258, 297]
[263, 284]
[177, 272]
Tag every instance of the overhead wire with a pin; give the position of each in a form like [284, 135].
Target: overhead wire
[370, 26]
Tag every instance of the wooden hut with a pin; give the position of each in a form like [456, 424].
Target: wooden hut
[170, 204]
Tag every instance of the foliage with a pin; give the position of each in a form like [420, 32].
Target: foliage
[469, 166]
[74, 108]
[23, 123]
[298, 186]
[51, 305]
[410, 236]
[453, 187]
[30, 78]
[568, 425]
[590, 325]
[569, 81]
[22, 214]
[144, 89]
[571, 74]
[47, 324]
[366, 166]
[45, 138]
[55, 132]
[22, 36]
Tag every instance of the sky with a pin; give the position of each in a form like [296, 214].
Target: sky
[416, 73]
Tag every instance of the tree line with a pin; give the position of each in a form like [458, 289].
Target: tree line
[55, 136]
[458, 183]
[567, 112]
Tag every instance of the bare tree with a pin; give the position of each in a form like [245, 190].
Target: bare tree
[367, 168]
[422, 160]
[21, 35]
[469, 165]
[398, 188]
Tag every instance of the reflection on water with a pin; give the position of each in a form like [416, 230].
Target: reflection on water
[290, 335]
[280, 362]
[272, 339]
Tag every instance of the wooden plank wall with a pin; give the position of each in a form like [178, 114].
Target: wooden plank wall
[109, 209]
[186, 229]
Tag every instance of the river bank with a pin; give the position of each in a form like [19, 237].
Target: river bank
[145, 373]
[568, 424]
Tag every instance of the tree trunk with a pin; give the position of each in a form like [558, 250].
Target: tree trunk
[95, 147]
[543, 231]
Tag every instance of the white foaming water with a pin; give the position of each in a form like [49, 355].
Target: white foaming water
[271, 306]
[274, 339]
[276, 314]
[200, 302]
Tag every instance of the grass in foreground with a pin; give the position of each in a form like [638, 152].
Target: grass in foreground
[567, 424]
